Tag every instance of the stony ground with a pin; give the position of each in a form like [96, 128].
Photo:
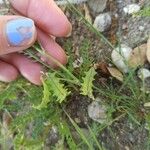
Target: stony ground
[132, 31]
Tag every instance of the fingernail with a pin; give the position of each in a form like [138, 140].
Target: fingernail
[20, 32]
[70, 31]
[69, 34]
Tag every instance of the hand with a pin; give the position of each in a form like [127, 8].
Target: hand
[18, 33]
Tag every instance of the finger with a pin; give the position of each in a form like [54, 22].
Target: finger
[52, 48]
[16, 33]
[8, 73]
[29, 69]
[46, 14]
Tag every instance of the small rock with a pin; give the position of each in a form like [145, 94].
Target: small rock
[134, 36]
[102, 22]
[97, 112]
[141, 28]
[78, 62]
[148, 50]
[143, 73]
[132, 8]
[53, 136]
[64, 2]
[97, 6]
[124, 26]
[120, 57]
[138, 56]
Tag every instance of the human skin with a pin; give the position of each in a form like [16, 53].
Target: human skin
[36, 20]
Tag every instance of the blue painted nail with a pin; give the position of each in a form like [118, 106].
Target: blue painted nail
[20, 31]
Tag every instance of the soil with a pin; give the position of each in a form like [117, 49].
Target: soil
[125, 136]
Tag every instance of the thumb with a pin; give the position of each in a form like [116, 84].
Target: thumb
[16, 33]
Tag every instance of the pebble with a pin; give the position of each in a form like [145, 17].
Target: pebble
[102, 22]
[97, 6]
[78, 62]
[124, 26]
[53, 136]
[64, 2]
[132, 8]
[141, 28]
[120, 57]
[143, 73]
[97, 112]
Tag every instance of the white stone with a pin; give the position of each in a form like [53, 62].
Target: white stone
[102, 22]
[64, 2]
[120, 57]
[132, 8]
[141, 28]
[1, 2]
[97, 112]
[143, 73]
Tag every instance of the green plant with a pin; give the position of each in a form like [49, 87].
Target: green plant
[38, 109]
[145, 12]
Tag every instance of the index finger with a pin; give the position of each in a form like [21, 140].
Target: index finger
[46, 14]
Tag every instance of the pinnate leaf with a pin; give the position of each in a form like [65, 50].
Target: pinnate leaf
[87, 85]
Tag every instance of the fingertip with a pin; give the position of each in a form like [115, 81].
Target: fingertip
[16, 34]
[61, 58]
[52, 49]
[11, 75]
[29, 69]
[32, 73]
[54, 21]
[8, 73]
[68, 31]
[63, 31]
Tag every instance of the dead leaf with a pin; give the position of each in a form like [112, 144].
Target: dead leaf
[148, 50]
[147, 104]
[102, 68]
[138, 56]
[115, 73]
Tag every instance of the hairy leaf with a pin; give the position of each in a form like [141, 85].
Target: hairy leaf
[20, 142]
[46, 97]
[87, 85]
[8, 93]
[57, 88]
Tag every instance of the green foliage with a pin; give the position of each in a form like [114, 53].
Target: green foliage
[66, 135]
[9, 92]
[144, 12]
[56, 87]
[46, 97]
[20, 142]
[80, 132]
[84, 51]
[87, 85]
[38, 109]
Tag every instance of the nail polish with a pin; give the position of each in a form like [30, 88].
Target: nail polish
[20, 32]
